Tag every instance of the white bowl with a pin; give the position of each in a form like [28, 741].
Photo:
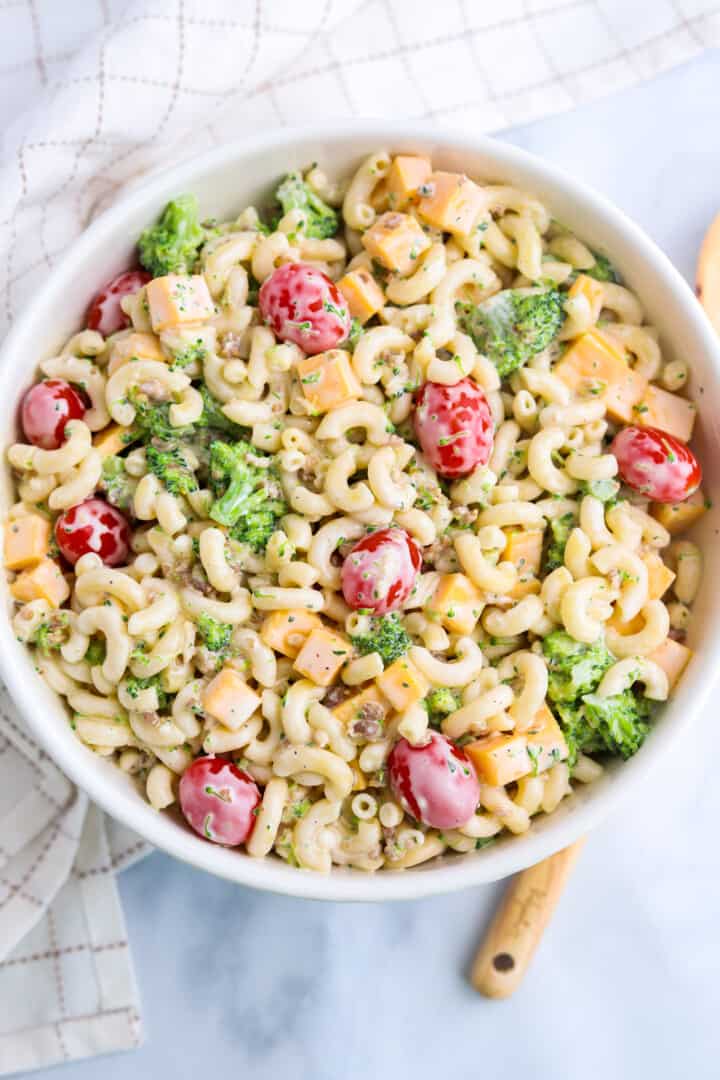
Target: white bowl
[225, 181]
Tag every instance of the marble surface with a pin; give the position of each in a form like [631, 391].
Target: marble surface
[237, 983]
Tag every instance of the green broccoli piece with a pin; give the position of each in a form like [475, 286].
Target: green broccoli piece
[96, 652]
[603, 270]
[514, 325]
[134, 686]
[119, 488]
[604, 490]
[440, 703]
[195, 352]
[51, 633]
[356, 332]
[560, 527]
[171, 246]
[386, 636]
[574, 669]
[321, 221]
[172, 469]
[213, 417]
[216, 635]
[247, 492]
[152, 421]
[619, 721]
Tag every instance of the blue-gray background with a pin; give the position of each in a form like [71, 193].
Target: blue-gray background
[627, 982]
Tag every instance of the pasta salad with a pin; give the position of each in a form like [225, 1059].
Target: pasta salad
[349, 527]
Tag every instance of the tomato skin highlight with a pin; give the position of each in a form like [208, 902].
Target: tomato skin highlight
[379, 573]
[104, 313]
[46, 408]
[218, 800]
[656, 464]
[93, 526]
[302, 305]
[436, 783]
[454, 426]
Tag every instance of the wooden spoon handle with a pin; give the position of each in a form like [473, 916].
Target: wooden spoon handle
[519, 922]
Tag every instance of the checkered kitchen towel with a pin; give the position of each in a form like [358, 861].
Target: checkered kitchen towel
[90, 102]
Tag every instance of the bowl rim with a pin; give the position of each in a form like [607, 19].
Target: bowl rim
[274, 875]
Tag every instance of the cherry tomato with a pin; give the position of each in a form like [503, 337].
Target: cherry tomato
[454, 426]
[656, 464]
[94, 526]
[380, 571]
[105, 313]
[436, 782]
[301, 304]
[46, 409]
[218, 799]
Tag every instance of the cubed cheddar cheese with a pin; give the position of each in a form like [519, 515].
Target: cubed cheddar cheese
[502, 759]
[328, 380]
[660, 576]
[137, 345]
[229, 699]
[113, 440]
[26, 541]
[322, 656]
[592, 290]
[352, 708]
[672, 657]
[456, 603]
[178, 299]
[659, 409]
[402, 684]
[524, 550]
[677, 517]
[44, 581]
[407, 173]
[286, 631]
[362, 292]
[595, 366]
[453, 202]
[396, 241]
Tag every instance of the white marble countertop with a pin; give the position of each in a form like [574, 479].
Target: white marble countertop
[238, 983]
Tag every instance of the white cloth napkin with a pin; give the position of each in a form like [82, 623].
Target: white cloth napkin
[92, 102]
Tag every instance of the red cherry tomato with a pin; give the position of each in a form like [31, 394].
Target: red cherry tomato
[218, 799]
[454, 426]
[656, 464]
[380, 571]
[94, 526]
[436, 783]
[46, 409]
[105, 313]
[301, 304]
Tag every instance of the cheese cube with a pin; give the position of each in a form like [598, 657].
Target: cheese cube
[362, 292]
[545, 740]
[287, 631]
[592, 290]
[396, 241]
[113, 439]
[353, 708]
[502, 759]
[594, 366]
[136, 345]
[668, 412]
[402, 684]
[328, 380]
[322, 656]
[453, 202]
[456, 603]
[524, 549]
[178, 299]
[660, 576]
[677, 517]
[26, 541]
[407, 173]
[229, 699]
[673, 658]
[43, 582]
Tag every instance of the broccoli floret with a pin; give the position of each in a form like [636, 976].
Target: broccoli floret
[560, 527]
[51, 633]
[619, 721]
[386, 636]
[152, 421]
[213, 417]
[603, 270]
[96, 652]
[293, 193]
[195, 352]
[171, 245]
[216, 635]
[248, 494]
[575, 669]
[514, 325]
[604, 490]
[171, 469]
[119, 488]
[134, 686]
[441, 702]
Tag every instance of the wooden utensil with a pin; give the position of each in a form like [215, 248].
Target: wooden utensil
[519, 922]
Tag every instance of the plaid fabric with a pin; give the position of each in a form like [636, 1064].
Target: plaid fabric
[89, 104]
